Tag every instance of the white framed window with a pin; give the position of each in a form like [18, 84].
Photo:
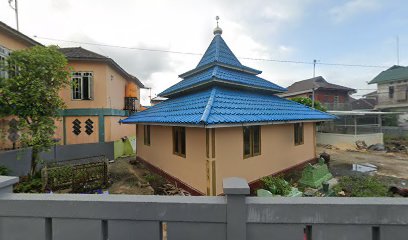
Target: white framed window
[82, 84]
[4, 53]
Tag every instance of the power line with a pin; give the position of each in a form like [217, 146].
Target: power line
[199, 54]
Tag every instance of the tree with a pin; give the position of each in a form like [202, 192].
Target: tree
[31, 93]
[308, 102]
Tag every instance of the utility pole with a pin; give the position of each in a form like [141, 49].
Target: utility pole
[397, 50]
[314, 67]
[15, 8]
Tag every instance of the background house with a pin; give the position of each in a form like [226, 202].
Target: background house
[332, 96]
[223, 120]
[10, 40]
[102, 94]
[392, 92]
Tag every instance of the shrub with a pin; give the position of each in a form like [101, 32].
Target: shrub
[361, 186]
[31, 185]
[4, 170]
[276, 185]
[156, 181]
[309, 102]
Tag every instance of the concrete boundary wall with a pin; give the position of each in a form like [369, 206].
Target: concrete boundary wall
[19, 161]
[345, 141]
[233, 216]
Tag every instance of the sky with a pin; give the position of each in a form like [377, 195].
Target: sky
[357, 32]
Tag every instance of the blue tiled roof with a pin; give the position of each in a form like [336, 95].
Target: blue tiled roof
[227, 75]
[219, 105]
[218, 51]
[219, 62]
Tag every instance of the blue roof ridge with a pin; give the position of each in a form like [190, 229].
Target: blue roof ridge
[208, 107]
[214, 73]
[243, 68]
[217, 50]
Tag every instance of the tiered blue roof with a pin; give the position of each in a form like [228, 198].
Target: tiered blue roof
[219, 64]
[221, 75]
[220, 90]
[220, 105]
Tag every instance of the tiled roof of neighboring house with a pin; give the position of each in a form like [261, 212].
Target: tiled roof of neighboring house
[394, 73]
[316, 83]
[22, 37]
[219, 66]
[372, 94]
[220, 105]
[363, 103]
[79, 53]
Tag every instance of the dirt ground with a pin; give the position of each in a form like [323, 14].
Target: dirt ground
[392, 167]
[127, 178]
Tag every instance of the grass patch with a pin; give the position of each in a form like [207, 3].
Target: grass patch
[361, 186]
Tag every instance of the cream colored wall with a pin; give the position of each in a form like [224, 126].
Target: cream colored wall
[115, 131]
[278, 152]
[83, 137]
[99, 91]
[11, 42]
[191, 170]
[116, 85]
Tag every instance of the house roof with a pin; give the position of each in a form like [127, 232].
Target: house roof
[82, 54]
[363, 103]
[219, 66]
[319, 82]
[16, 34]
[221, 105]
[394, 73]
[221, 92]
[222, 76]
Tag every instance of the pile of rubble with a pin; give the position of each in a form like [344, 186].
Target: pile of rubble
[173, 190]
[393, 146]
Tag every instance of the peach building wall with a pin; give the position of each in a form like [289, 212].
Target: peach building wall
[191, 169]
[278, 152]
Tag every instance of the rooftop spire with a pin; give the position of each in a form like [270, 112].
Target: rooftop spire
[217, 30]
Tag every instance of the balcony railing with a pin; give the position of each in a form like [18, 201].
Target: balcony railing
[131, 104]
[233, 216]
[337, 106]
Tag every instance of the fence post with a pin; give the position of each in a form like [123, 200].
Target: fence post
[6, 184]
[235, 189]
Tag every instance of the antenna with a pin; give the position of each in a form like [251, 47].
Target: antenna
[15, 8]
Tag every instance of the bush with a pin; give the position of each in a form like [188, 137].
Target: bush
[361, 186]
[276, 185]
[4, 170]
[31, 185]
[309, 102]
[156, 181]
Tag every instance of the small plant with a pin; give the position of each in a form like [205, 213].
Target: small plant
[31, 185]
[4, 170]
[361, 186]
[156, 181]
[276, 185]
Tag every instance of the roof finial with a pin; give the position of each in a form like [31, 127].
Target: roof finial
[217, 30]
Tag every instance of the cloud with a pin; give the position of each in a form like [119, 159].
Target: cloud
[342, 13]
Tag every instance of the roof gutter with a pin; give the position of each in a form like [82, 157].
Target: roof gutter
[224, 125]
